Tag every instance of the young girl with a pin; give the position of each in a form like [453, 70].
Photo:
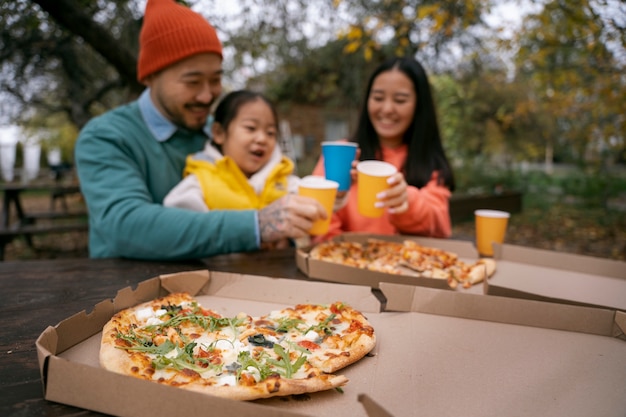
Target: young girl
[242, 167]
[398, 124]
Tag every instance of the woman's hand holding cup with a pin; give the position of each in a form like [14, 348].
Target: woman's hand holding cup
[395, 198]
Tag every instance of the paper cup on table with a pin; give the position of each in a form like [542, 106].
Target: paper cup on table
[372, 179]
[490, 229]
[338, 157]
[324, 191]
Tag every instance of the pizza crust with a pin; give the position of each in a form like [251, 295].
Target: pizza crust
[271, 387]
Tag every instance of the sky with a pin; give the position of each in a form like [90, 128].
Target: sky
[8, 134]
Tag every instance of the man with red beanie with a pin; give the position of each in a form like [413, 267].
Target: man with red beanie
[129, 158]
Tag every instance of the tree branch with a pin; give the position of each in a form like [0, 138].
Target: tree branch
[68, 13]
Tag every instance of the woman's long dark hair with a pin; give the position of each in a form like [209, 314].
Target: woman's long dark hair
[425, 150]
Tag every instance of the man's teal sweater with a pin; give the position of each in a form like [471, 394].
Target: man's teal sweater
[124, 175]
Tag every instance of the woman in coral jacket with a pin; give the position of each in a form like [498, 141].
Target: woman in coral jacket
[398, 124]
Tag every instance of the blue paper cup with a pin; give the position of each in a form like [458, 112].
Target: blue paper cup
[338, 157]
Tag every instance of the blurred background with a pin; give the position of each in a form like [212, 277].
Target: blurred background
[530, 94]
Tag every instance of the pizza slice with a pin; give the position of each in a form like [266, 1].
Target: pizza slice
[438, 263]
[344, 253]
[383, 256]
[333, 336]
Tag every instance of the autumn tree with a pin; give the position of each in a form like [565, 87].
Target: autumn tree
[437, 30]
[576, 81]
[74, 57]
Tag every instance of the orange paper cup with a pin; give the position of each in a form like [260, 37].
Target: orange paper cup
[324, 191]
[490, 229]
[372, 179]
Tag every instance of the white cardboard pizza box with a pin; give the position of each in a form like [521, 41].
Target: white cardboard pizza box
[538, 274]
[438, 353]
[327, 271]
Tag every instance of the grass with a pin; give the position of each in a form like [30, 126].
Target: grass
[564, 227]
[572, 209]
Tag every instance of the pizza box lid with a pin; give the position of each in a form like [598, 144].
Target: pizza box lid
[328, 271]
[538, 274]
[430, 345]
[535, 313]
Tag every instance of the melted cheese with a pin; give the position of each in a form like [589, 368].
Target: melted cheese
[226, 379]
[311, 336]
[148, 316]
[251, 370]
[144, 314]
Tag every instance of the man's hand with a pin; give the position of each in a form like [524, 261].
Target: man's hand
[289, 217]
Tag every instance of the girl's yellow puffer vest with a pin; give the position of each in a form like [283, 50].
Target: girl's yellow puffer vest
[225, 186]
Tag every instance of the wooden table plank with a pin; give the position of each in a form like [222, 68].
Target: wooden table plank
[37, 294]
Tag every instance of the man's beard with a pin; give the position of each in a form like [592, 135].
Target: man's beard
[178, 118]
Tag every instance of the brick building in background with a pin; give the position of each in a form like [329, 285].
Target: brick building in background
[305, 126]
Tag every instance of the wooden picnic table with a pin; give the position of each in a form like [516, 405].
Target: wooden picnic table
[16, 221]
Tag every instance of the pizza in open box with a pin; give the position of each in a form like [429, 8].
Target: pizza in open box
[405, 258]
[175, 341]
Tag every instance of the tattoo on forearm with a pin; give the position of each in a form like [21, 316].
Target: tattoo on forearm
[273, 224]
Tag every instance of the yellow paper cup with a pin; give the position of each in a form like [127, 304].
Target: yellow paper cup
[372, 179]
[324, 191]
[490, 229]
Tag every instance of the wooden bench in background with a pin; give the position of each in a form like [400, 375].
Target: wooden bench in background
[28, 231]
[29, 224]
[462, 206]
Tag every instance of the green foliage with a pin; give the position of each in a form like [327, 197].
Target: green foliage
[575, 82]
[481, 178]
[477, 116]
[570, 185]
[593, 189]
[319, 78]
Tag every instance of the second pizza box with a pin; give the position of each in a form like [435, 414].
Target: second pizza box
[521, 272]
[333, 272]
[438, 353]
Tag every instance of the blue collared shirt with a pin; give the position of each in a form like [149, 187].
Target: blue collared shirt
[162, 129]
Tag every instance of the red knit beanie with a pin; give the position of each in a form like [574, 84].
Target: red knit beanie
[172, 32]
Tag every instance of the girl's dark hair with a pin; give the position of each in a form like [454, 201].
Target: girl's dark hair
[425, 150]
[230, 104]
